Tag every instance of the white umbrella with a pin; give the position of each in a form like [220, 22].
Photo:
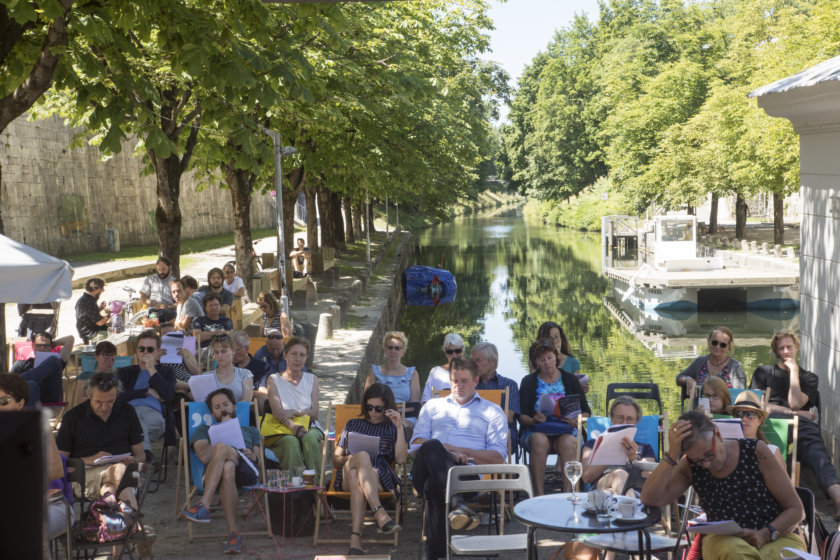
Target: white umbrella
[29, 276]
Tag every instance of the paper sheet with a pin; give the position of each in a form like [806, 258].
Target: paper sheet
[228, 432]
[357, 442]
[41, 356]
[202, 385]
[730, 428]
[108, 459]
[788, 553]
[172, 342]
[715, 528]
[609, 448]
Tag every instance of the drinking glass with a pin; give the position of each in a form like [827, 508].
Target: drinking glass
[573, 471]
[284, 479]
[272, 478]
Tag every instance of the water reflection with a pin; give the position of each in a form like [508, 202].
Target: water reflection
[512, 276]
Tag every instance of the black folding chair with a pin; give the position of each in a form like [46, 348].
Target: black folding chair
[639, 391]
[809, 504]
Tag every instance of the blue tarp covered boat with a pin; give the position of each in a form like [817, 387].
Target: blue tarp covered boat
[424, 285]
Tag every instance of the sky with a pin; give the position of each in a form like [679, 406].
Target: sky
[525, 27]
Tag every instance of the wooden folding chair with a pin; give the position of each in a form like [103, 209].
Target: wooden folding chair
[343, 413]
[256, 343]
[193, 415]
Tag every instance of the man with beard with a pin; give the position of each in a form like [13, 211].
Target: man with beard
[227, 468]
[89, 320]
[155, 292]
[215, 285]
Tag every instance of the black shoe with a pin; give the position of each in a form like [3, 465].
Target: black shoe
[463, 518]
[390, 528]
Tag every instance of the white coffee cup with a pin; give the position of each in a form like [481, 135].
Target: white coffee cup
[599, 499]
[297, 481]
[626, 507]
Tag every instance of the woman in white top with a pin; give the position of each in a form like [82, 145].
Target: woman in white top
[233, 283]
[748, 408]
[239, 380]
[293, 396]
[453, 347]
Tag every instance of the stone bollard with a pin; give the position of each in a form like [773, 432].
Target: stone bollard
[364, 277]
[744, 245]
[344, 303]
[753, 247]
[777, 251]
[325, 330]
[335, 311]
[356, 289]
[790, 253]
[764, 249]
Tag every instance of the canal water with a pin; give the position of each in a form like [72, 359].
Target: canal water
[513, 275]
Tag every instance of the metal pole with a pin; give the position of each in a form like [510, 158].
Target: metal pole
[281, 245]
[367, 225]
[387, 231]
[397, 208]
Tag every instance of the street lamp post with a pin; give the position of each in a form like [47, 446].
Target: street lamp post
[280, 152]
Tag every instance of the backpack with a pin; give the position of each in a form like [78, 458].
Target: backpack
[104, 522]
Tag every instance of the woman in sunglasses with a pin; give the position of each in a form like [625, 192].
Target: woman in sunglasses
[273, 316]
[403, 380]
[718, 363]
[453, 347]
[748, 408]
[735, 480]
[364, 476]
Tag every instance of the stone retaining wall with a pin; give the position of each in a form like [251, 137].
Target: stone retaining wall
[63, 201]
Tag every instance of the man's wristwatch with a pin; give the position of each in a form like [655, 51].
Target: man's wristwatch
[774, 534]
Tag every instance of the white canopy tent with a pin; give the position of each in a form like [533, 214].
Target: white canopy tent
[29, 276]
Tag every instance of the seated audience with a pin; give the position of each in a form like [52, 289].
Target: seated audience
[453, 347]
[215, 282]
[715, 389]
[402, 380]
[455, 430]
[718, 363]
[258, 368]
[98, 427]
[294, 399]
[364, 476]
[273, 318]
[272, 355]
[566, 361]
[795, 390]
[748, 408]
[301, 258]
[150, 388]
[190, 285]
[212, 322]
[89, 320]
[44, 380]
[734, 479]
[14, 392]
[187, 309]
[623, 410]
[228, 376]
[228, 469]
[543, 433]
[233, 283]
[155, 292]
[105, 355]
[486, 358]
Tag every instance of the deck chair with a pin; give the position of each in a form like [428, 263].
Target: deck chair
[137, 538]
[342, 413]
[763, 395]
[486, 478]
[784, 434]
[639, 391]
[256, 343]
[194, 414]
[89, 362]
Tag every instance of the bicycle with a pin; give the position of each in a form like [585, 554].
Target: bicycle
[135, 319]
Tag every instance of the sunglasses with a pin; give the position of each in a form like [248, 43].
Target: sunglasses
[148, 349]
[377, 408]
[718, 343]
[4, 400]
[395, 348]
[708, 457]
[451, 351]
[751, 414]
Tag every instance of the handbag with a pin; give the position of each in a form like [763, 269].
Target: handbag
[553, 426]
[104, 522]
[271, 428]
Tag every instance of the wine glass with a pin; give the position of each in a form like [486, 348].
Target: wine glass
[573, 471]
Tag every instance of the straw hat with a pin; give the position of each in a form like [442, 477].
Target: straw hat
[747, 400]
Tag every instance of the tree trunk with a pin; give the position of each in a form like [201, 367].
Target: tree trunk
[336, 221]
[778, 219]
[168, 173]
[357, 221]
[292, 185]
[327, 233]
[369, 225]
[713, 215]
[240, 183]
[740, 217]
[690, 210]
[348, 220]
[311, 218]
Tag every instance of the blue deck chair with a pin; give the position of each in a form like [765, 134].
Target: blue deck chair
[193, 415]
[89, 362]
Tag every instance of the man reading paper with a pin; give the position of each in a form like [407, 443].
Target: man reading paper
[227, 468]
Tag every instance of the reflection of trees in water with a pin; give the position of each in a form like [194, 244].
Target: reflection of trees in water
[553, 274]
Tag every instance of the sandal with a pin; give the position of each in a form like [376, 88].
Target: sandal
[355, 551]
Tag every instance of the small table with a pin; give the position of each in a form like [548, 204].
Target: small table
[255, 493]
[556, 513]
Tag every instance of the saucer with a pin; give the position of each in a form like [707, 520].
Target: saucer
[639, 516]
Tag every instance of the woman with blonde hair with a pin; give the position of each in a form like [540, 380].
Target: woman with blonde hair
[715, 389]
[717, 363]
[402, 380]
[274, 317]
